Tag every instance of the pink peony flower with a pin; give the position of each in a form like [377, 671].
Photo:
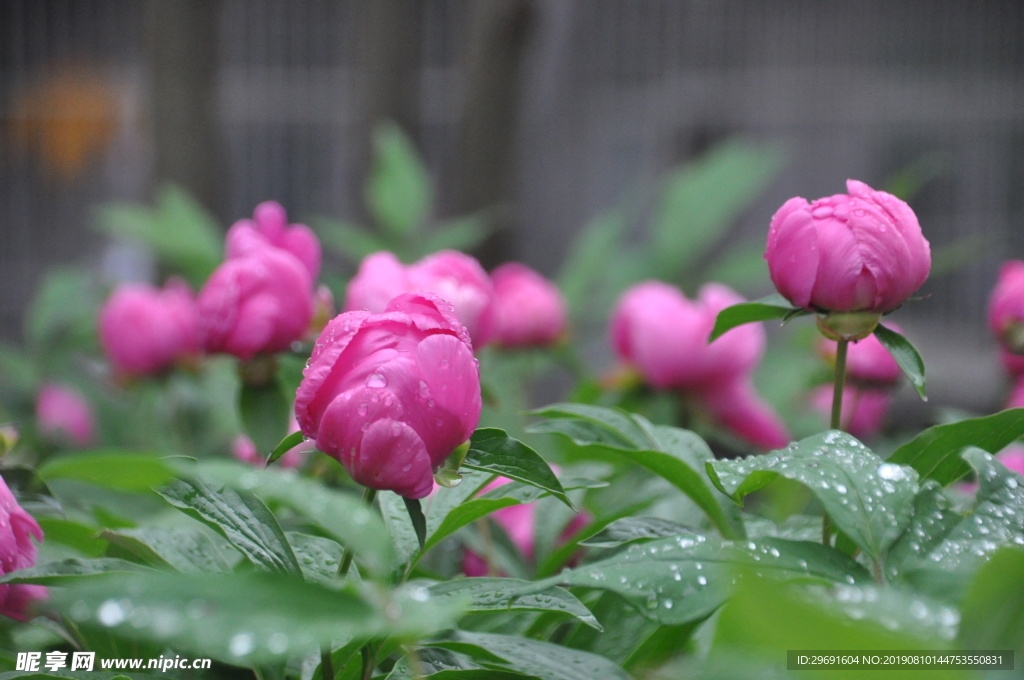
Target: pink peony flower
[861, 251]
[391, 395]
[528, 309]
[62, 412]
[144, 329]
[664, 335]
[451, 275]
[269, 226]
[867, 360]
[260, 301]
[863, 412]
[519, 522]
[17, 551]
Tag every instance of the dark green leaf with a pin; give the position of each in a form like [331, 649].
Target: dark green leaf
[419, 522]
[935, 453]
[486, 594]
[185, 550]
[240, 517]
[771, 307]
[265, 410]
[286, 445]
[320, 557]
[111, 469]
[81, 537]
[398, 189]
[868, 499]
[906, 356]
[68, 571]
[631, 529]
[492, 450]
[472, 510]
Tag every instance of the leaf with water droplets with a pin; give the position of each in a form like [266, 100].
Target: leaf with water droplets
[685, 578]
[676, 455]
[935, 453]
[895, 609]
[504, 496]
[70, 570]
[247, 618]
[240, 517]
[340, 515]
[633, 529]
[185, 550]
[532, 657]
[870, 500]
[771, 307]
[941, 547]
[319, 557]
[487, 594]
[492, 450]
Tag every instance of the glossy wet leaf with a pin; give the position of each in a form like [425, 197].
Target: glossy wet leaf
[771, 307]
[906, 355]
[185, 550]
[487, 594]
[240, 517]
[685, 578]
[492, 450]
[870, 500]
[319, 557]
[286, 445]
[64, 572]
[632, 529]
[246, 618]
[471, 510]
[935, 452]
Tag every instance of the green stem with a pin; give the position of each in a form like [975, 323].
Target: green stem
[326, 664]
[837, 419]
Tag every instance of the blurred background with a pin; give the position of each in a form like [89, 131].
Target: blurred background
[543, 118]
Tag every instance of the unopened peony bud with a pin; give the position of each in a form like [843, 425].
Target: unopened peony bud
[269, 226]
[528, 309]
[391, 395]
[62, 412]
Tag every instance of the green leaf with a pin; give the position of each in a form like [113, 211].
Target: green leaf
[868, 499]
[185, 550]
[533, 657]
[111, 469]
[398, 190]
[461, 233]
[676, 455]
[320, 557]
[993, 611]
[240, 517]
[906, 356]
[63, 309]
[771, 307]
[492, 450]
[337, 514]
[632, 529]
[486, 594]
[685, 578]
[472, 510]
[286, 445]
[246, 618]
[349, 240]
[419, 522]
[81, 537]
[265, 410]
[68, 571]
[703, 199]
[935, 453]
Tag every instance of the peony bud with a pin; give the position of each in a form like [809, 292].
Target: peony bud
[662, 333]
[861, 251]
[391, 395]
[451, 275]
[528, 309]
[867, 361]
[1006, 311]
[269, 226]
[144, 329]
[255, 303]
[62, 413]
[17, 551]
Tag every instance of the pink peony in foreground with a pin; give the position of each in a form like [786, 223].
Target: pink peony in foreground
[390, 395]
[63, 413]
[528, 309]
[144, 329]
[17, 551]
[859, 251]
[269, 226]
[664, 335]
[451, 275]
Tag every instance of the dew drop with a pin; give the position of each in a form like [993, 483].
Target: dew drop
[376, 381]
[241, 644]
[111, 613]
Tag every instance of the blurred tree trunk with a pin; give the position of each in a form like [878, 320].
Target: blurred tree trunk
[498, 33]
[181, 41]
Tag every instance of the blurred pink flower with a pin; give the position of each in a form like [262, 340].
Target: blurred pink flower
[665, 336]
[144, 329]
[17, 551]
[391, 395]
[61, 412]
[859, 251]
[528, 309]
[453, 276]
[269, 226]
